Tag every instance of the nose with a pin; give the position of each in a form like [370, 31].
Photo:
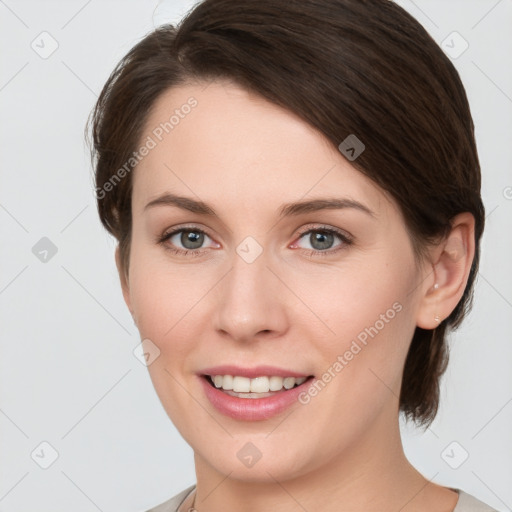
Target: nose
[250, 301]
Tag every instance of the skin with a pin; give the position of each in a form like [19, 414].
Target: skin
[246, 157]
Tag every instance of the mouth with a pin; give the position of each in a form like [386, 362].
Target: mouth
[253, 393]
[254, 388]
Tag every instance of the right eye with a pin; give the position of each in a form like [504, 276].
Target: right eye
[190, 238]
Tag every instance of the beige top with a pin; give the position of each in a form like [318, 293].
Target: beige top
[466, 502]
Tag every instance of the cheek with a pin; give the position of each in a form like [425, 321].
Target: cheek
[162, 294]
[163, 297]
[356, 301]
[371, 321]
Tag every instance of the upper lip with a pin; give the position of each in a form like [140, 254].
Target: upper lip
[252, 373]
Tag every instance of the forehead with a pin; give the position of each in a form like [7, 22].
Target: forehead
[218, 139]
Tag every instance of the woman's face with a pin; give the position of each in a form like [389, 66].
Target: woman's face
[263, 284]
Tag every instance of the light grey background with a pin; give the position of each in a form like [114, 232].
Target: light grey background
[68, 373]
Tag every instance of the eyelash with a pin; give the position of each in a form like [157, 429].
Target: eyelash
[345, 239]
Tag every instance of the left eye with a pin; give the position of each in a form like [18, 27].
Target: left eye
[323, 239]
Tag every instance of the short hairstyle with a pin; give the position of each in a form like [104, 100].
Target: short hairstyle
[362, 67]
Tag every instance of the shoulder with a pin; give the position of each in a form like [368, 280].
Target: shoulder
[468, 503]
[465, 503]
[172, 504]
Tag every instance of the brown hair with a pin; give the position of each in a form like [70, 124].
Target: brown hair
[363, 67]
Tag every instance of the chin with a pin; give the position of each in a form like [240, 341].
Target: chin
[248, 459]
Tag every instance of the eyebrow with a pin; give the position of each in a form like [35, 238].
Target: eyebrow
[286, 210]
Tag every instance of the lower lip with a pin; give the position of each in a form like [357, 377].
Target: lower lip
[252, 409]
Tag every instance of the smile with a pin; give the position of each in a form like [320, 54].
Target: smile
[252, 399]
[260, 387]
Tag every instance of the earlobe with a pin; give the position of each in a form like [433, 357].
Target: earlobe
[451, 265]
[123, 280]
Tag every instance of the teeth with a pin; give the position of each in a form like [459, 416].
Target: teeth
[257, 385]
[275, 383]
[226, 382]
[240, 384]
[289, 382]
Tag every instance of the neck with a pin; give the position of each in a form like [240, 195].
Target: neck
[372, 474]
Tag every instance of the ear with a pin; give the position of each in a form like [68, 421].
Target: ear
[446, 280]
[123, 278]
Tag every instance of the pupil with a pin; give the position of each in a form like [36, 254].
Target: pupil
[196, 239]
[321, 239]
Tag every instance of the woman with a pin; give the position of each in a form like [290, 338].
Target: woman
[295, 191]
